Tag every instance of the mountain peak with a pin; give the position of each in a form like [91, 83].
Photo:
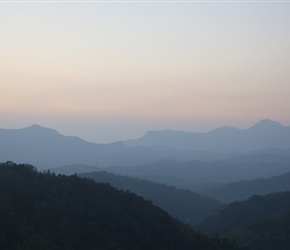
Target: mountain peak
[224, 129]
[266, 123]
[35, 128]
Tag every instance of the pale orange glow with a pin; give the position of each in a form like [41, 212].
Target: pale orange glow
[144, 64]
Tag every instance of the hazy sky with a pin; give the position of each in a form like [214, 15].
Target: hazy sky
[112, 71]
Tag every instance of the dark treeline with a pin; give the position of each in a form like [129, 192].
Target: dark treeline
[260, 222]
[185, 205]
[47, 211]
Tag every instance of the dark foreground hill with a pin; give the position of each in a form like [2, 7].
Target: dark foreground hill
[185, 205]
[46, 211]
[261, 222]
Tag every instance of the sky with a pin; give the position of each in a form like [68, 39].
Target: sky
[109, 71]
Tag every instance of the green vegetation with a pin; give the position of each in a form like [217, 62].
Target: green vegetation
[46, 211]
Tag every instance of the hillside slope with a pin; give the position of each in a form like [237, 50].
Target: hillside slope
[45, 211]
[185, 205]
[244, 189]
[261, 222]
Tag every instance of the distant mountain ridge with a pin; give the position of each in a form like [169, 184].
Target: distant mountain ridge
[242, 190]
[264, 134]
[198, 172]
[46, 148]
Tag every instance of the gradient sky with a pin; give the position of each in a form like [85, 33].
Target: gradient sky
[112, 71]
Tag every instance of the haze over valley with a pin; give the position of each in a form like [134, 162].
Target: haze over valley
[46, 148]
[191, 176]
[155, 125]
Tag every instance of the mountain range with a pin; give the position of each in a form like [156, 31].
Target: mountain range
[46, 148]
[226, 164]
[197, 175]
[264, 134]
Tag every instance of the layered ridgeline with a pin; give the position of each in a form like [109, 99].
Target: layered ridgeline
[46, 211]
[260, 222]
[244, 189]
[206, 177]
[44, 147]
[198, 175]
[185, 205]
[264, 134]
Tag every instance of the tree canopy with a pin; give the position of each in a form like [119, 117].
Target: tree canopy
[41, 210]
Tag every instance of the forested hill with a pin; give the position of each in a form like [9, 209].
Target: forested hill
[261, 222]
[184, 205]
[46, 211]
